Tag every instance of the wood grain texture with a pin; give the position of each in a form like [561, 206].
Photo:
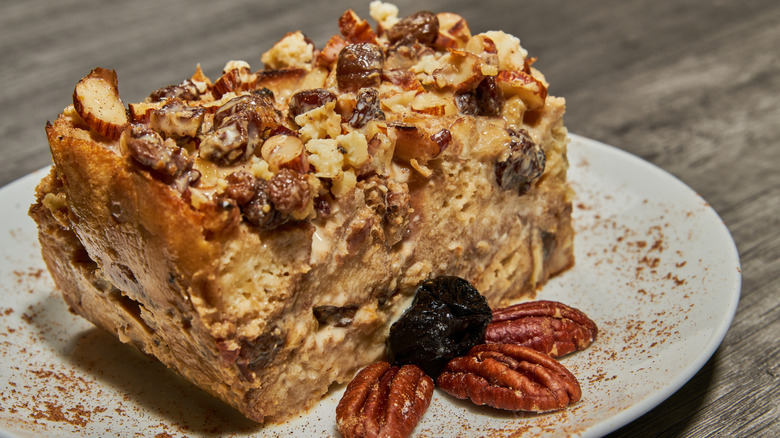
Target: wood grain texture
[692, 86]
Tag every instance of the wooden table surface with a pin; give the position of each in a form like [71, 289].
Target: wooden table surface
[692, 86]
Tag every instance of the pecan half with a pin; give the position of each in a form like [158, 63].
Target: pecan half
[511, 377]
[547, 326]
[384, 401]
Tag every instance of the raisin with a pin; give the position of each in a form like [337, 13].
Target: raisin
[523, 166]
[187, 90]
[241, 186]
[467, 103]
[486, 99]
[358, 66]
[289, 191]
[264, 93]
[260, 212]
[255, 354]
[366, 109]
[239, 126]
[421, 27]
[307, 100]
[490, 98]
[257, 109]
[230, 143]
[448, 316]
[147, 149]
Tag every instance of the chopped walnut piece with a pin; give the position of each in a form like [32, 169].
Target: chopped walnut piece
[461, 71]
[293, 50]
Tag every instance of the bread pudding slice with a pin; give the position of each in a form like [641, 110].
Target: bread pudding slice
[260, 232]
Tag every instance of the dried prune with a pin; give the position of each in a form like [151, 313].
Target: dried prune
[358, 66]
[448, 316]
[366, 109]
[307, 100]
[421, 27]
[523, 166]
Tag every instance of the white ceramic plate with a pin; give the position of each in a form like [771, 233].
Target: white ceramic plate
[656, 269]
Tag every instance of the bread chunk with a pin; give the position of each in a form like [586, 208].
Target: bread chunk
[260, 232]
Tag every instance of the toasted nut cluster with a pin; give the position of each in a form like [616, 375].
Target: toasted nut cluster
[546, 326]
[384, 401]
[316, 122]
[512, 377]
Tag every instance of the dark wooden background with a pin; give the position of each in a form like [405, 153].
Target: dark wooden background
[692, 86]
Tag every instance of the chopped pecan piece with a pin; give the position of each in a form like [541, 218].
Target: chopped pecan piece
[547, 326]
[512, 377]
[384, 401]
[355, 29]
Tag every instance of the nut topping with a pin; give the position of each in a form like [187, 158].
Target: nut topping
[96, 100]
[384, 401]
[511, 377]
[356, 30]
[547, 326]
